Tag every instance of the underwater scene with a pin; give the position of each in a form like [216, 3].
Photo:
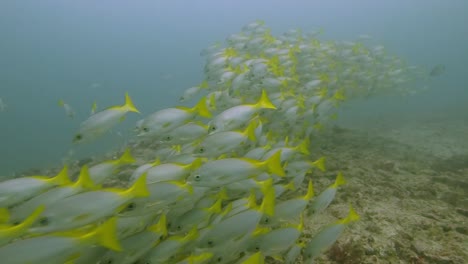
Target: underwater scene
[237, 132]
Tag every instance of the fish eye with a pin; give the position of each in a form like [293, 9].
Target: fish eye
[145, 129]
[201, 150]
[219, 259]
[44, 221]
[78, 137]
[16, 223]
[131, 206]
[168, 138]
[179, 227]
[109, 261]
[197, 177]
[267, 220]
[213, 128]
[210, 243]
[257, 248]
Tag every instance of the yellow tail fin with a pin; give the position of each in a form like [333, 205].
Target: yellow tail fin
[256, 258]
[320, 164]
[303, 147]
[106, 235]
[126, 158]
[268, 203]
[129, 106]
[351, 217]
[310, 191]
[274, 164]
[265, 102]
[250, 131]
[339, 180]
[201, 108]
[84, 180]
[4, 216]
[139, 188]
[160, 227]
[61, 178]
[28, 221]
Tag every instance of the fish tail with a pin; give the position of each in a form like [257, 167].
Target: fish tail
[303, 147]
[29, 221]
[268, 203]
[126, 158]
[129, 106]
[106, 235]
[139, 188]
[202, 109]
[160, 227]
[274, 164]
[339, 180]
[84, 180]
[264, 102]
[61, 178]
[320, 164]
[310, 191]
[250, 131]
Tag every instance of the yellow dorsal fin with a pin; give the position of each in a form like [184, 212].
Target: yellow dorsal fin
[290, 186]
[195, 164]
[201, 109]
[160, 227]
[84, 180]
[129, 106]
[310, 191]
[339, 180]
[138, 189]
[191, 235]
[264, 101]
[260, 231]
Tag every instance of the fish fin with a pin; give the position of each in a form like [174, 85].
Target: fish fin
[256, 258]
[351, 217]
[61, 178]
[274, 164]
[264, 101]
[156, 162]
[61, 102]
[129, 106]
[339, 180]
[216, 207]
[303, 147]
[106, 234]
[195, 164]
[310, 191]
[139, 188]
[84, 180]
[290, 186]
[320, 164]
[126, 158]
[29, 221]
[201, 108]
[160, 227]
[250, 130]
[268, 203]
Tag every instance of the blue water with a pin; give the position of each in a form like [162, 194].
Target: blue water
[85, 51]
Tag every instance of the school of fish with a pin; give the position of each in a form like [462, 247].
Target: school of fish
[232, 178]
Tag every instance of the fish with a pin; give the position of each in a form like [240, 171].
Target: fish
[101, 122]
[68, 109]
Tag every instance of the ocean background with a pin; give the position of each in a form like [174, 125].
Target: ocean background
[85, 51]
